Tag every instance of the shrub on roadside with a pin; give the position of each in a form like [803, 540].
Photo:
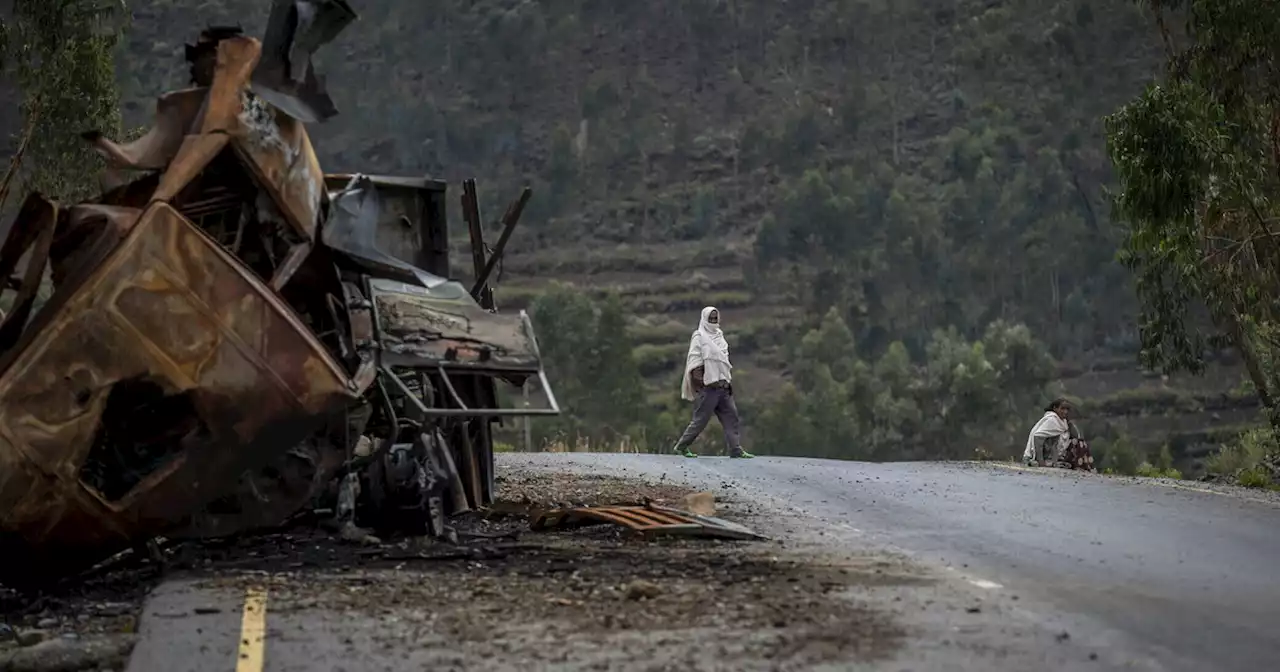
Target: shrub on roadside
[1248, 451]
[1255, 477]
[1121, 457]
[1148, 470]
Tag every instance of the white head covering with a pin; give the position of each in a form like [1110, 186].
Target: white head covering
[707, 348]
[1051, 426]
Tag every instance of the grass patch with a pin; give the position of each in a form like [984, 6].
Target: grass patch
[1255, 477]
[1247, 451]
[659, 331]
[1163, 401]
[625, 257]
[1143, 401]
[1148, 470]
[653, 359]
[1119, 456]
[1248, 460]
[515, 295]
[687, 301]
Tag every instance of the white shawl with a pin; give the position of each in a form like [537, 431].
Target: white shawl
[1050, 426]
[708, 349]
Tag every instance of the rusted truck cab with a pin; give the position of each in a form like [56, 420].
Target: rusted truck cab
[233, 331]
[440, 352]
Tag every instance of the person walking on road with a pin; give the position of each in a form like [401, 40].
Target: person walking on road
[708, 383]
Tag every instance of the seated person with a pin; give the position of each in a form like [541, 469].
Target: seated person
[1052, 429]
[1076, 455]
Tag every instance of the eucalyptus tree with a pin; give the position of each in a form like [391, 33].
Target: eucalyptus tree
[61, 53]
[1197, 157]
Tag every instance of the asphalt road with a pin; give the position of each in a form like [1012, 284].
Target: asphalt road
[1170, 577]
[1137, 575]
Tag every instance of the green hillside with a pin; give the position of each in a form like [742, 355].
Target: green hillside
[912, 165]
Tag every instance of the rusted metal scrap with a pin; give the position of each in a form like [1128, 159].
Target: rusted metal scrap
[650, 520]
[233, 335]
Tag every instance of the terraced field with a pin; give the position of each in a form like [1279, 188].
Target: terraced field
[1193, 415]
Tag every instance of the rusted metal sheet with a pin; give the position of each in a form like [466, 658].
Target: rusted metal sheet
[281, 154]
[650, 521]
[33, 231]
[176, 113]
[286, 77]
[356, 218]
[444, 325]
[145, 390]
[274, 145]
[411, 223]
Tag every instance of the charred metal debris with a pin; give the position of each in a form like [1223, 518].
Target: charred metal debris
[650, 520]
[234, 336]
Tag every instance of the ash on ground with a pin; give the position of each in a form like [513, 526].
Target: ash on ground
[507, 593]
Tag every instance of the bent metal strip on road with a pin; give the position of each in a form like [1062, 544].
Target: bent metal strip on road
[253, 631]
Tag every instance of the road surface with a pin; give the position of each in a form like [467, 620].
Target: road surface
[1189, 580]
[1129, 574]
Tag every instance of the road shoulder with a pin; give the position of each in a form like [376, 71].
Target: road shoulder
[577, 599]
[1255, 495]
[818, 595]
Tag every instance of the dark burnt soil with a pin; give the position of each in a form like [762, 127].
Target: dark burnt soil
[129, 576]
[544, 490]
[600, 585]
[507, 587]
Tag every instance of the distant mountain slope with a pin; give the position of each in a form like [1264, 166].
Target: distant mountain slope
[661, 136]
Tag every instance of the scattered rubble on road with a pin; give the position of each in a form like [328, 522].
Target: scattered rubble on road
[597, 596]
[496, 561]
[592, 595]
[527, 492]
[64, 654]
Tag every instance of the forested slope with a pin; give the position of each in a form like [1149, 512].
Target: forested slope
[901, 166]
[941, 159]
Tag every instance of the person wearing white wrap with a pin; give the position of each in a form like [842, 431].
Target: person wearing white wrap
[1048, 435]
[708, 383]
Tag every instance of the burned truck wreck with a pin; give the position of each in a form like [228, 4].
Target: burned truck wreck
[234, 336]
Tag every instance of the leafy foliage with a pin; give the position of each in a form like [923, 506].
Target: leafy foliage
[62, 52]
[963, 397]
[1246, 458]
[1198, 161]
[1119, 457]
[589, 361]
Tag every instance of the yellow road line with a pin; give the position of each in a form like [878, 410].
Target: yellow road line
[1163, 484]
[253, 631]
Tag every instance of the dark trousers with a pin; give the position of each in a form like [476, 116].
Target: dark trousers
[717, 401]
